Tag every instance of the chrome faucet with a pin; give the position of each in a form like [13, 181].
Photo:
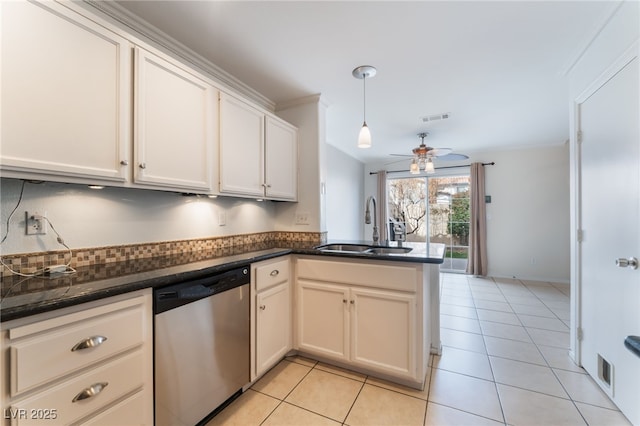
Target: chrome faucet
[367, 218]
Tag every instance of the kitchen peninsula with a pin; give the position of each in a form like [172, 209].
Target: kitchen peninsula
[340, 305]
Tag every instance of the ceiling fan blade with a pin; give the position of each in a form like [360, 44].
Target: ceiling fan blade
[402, 155]
[439, 152]
[397, 161]
[453, 157]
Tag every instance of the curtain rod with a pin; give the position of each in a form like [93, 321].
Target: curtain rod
[437, 168]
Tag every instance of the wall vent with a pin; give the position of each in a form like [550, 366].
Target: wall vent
[435, 117]
[605, 371]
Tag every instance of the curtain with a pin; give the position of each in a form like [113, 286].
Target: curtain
[381, 197]
[477, 264]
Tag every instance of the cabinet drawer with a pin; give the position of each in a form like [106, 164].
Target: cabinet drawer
[122, 376]
[272, 274]
[53, 350]
[124, 413]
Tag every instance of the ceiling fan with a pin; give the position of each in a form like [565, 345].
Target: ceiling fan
[423, 156]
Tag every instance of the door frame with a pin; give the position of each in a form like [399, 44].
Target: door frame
[575, 171]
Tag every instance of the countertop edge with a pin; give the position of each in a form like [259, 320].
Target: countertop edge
[171, 275]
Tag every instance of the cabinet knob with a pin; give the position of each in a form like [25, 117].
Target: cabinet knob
[344, 300]
[263, 307]
[274, 273]
[89, 342]
[91, 391]
[353, 302]
[124, 162]
[142, 166]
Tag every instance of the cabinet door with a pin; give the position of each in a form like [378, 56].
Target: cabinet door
[66, 95]
[174, 116]
[241, 144]
[273, 326]
[281, 160]
[383, 329]
[323, 319]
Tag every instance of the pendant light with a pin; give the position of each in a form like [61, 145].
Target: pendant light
[363, 72]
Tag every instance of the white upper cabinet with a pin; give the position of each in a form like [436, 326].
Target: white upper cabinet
[258, 152]
[241, 144]
[281, 158]
[174, 125]
[65, 96]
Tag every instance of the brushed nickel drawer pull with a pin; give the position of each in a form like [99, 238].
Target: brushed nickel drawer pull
[90, 392]
[274, 273]
[89, 342]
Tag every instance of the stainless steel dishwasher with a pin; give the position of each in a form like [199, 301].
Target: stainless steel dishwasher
[201, 346]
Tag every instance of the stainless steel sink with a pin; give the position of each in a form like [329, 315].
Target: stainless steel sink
[364, 249]
[389, 250]
[350, 248]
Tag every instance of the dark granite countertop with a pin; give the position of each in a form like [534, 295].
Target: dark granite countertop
[21, 297]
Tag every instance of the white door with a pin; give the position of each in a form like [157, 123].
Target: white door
[323, 319]
[273, 326]
[174, 113]
[281, 158]
[241, 146]
[383, 331]
[610, 210]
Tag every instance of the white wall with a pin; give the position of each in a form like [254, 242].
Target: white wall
[114, 216]
[528, 218]
[345, 189]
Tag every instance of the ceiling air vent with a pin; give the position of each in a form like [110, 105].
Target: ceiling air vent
[435, 117]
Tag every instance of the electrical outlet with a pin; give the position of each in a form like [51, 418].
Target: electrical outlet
[302, 218]
[222, 218]
[35, 223]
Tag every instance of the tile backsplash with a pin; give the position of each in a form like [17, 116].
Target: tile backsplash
[27, 263]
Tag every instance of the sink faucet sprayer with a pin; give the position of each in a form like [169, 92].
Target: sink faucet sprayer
[367, 218]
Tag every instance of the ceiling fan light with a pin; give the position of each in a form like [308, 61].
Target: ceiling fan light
[364, 138]
[428, 168]
[414, 169]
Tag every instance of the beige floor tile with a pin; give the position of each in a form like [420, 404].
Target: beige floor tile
[465, 393]
[341, 371]
[541, 311]
[458, 311]
[553, 324]
[459, 323]
[378, 406]
[559, 358]
[523, 407]
[417, 393]
[558, 339]
[302, 360]
[485, 289]
[562, 313]
[290, 415]
[493, 297]
[557, 302]
[456, 292]
[532, 377]
[281, 379]
[598, 416]
[582, 388]
[439, 415]
[528, 300]
[498, 316]
[505, 331]
[250, 408]
[494, 306]
[462, 340]
[460, 301]
[513, 349]
[326, 394]
[464, 362]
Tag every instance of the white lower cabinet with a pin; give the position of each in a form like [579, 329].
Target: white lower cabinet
[271, 314]
[91, 364]
[363, 314]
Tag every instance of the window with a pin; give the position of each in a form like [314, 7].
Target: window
[437, 207]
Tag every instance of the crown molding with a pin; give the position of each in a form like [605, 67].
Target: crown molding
[310, 99]
[127, 21]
